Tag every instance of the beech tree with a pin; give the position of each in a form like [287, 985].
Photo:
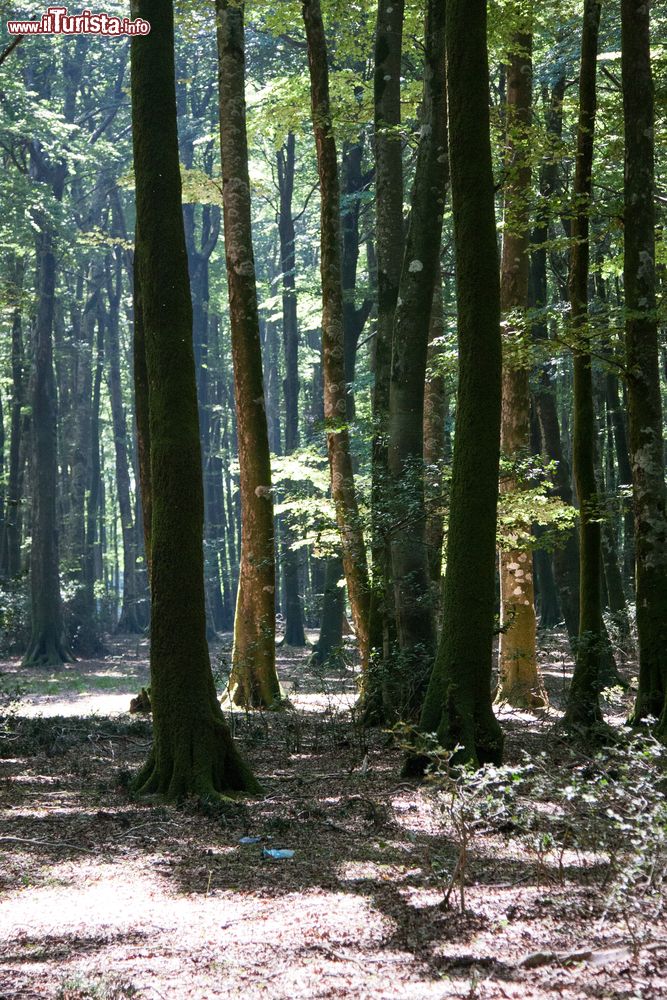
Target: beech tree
[193, 751]
[253, 681]
[458, 702]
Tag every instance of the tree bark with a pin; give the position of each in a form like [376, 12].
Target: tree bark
[458, 703]
[253, 681]
[193, 751]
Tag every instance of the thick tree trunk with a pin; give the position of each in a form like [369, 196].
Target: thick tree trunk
[333, 345]
[641, 331]
[193, 751]
[583, 710]
[519, 682]
[458, 703]
[253, 681]
[409, 557]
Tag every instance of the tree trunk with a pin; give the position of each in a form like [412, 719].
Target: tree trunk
[128, 615]
[333, 344]
[389, 250]
[193, 751]
[48, 645]
[294, 631]
[436, 405]
[583, 710]
[11, 555]
[519, 682]
[409, 558]
[458, 703]
[253, 681]
[330, 640]
[641, 331]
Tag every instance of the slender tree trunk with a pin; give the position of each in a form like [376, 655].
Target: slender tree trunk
[436, 405]
[128, 615]
[294, 631]
[253, 681]
[333, 345]
[12, 524]
[330, 640]
[48, 645]
[583, 710]
[389, 244]
[409, 557]
[641, 331]
[519, 683]
[458, 703]
[618, 419]
[193, 751]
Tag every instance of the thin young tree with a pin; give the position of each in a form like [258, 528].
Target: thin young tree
[193, 751]
[644, 396]
[458, 702]
[253, 682]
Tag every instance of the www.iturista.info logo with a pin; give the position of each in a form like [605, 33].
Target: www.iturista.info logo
[57, 21]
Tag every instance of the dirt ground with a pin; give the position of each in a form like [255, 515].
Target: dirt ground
[105, 896]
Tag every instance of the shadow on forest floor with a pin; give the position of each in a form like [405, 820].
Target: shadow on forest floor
[105, 896]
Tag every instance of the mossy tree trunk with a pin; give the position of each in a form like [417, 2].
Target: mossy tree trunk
[193, 751]
[333, 341]
[458, 703]
[583, 710]
[641, 330]
[253, 681]
[409, 557]
[519, 683]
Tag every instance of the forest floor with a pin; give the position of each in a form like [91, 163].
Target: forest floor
[103, 896]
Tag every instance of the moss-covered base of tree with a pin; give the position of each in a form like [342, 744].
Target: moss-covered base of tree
[207, 766]
[476, 734]
[47, 650]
